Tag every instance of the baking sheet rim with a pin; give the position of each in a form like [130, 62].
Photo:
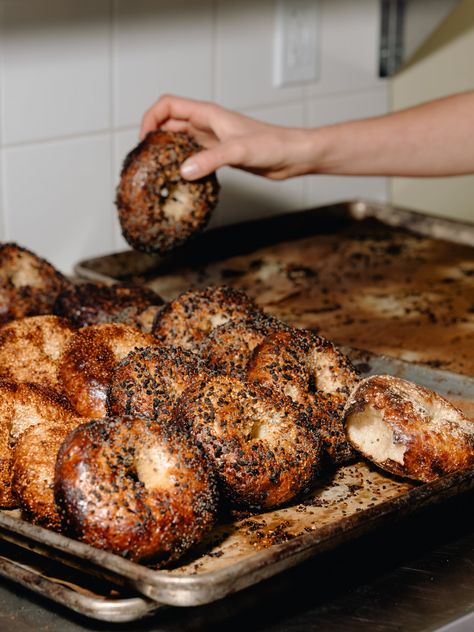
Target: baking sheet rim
[103, 609]
[435, 227]
[199, 589]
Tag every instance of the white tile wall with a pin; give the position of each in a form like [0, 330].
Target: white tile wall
[349, 44]
[244, 49]
[58, 197]
[2, 227]
[161, 47]
[75, 78]
[2, 214]
[124, 141]
[55, 69]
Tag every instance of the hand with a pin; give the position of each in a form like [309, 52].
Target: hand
[231, 139]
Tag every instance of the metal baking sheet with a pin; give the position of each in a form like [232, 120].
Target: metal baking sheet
[352, 501]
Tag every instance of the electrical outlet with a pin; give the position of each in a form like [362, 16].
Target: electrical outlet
[296, 52]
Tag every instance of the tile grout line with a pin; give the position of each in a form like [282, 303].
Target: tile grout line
[307, 88]
[67, 137]
[125, 128]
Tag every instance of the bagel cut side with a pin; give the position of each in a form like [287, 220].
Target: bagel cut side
[407, 429]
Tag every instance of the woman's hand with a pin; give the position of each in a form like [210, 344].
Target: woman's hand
[432, 139]
[231, 139]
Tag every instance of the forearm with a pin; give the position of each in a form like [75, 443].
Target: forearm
[433, 139]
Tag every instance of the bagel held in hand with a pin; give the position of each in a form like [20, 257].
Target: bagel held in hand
[158, 210]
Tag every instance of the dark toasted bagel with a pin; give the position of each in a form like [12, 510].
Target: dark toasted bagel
[33, 463]
[317, 376]
[29, 284]
[189, 318]
[23, 405]
[87, 363]
[94, 303]
[228, 348]
[139, 488]
[158, 210]
[150, 379]
[407, 429]
[261, 449]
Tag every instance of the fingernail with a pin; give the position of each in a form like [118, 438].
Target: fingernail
[188, 169]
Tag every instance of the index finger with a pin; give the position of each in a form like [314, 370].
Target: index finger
[171, 107]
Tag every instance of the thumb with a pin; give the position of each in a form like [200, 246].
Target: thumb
[205, 162]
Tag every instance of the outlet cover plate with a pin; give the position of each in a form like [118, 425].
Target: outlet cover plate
[297, 42]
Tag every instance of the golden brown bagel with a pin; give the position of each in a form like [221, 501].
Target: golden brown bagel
[87, 363]
[407, 429]
[29, 285]
[139, 488]
[189, 318]
[30, 349]
[158, 210]
[6, 496]
[317, 376]
[33, 464]
[23, 405]
[261, 449]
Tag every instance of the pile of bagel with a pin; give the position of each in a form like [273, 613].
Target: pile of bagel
[129, 423]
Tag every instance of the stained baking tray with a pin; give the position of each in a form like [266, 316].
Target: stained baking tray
[352, 501]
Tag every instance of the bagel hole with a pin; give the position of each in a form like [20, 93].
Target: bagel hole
[259, 430]
[312, 383]
[217, 319]
[177, 202]
[154, 467]
[371, 435]
[293, 390]
[441, 412]
[323, 370]
[54, 345]
[132, 474]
